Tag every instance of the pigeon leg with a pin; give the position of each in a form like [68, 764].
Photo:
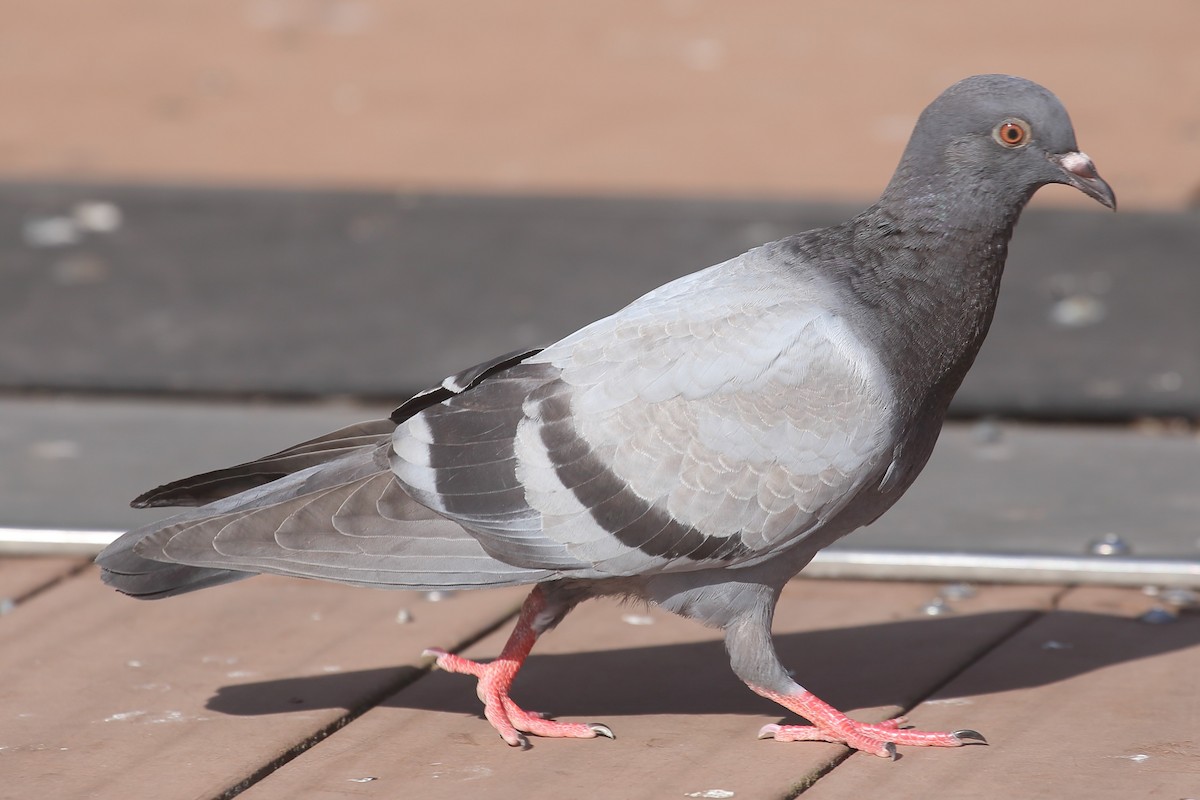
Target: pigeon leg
[496, 678]
[752, 656]
[831, 725]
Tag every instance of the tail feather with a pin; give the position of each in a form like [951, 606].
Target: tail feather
[151, 580]
[198, 490]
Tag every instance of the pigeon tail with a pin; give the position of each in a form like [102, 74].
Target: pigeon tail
[145, 579]
[131, 573]
[344, 518]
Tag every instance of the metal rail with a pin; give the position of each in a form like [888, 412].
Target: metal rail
[52, 542]
[912, 565]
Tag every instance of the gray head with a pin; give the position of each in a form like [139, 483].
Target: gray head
[996, 139]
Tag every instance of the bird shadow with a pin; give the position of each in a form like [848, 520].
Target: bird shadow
[889, 664]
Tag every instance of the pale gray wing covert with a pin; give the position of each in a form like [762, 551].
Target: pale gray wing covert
[711, 422]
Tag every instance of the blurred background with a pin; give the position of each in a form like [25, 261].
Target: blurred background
[228, 225]
[660, 97]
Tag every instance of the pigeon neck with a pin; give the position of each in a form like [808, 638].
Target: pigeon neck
[936, 203]
[942, 248]
[935, 190]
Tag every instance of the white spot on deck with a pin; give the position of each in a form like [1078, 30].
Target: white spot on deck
[226, 660]
[50, 232]
[97, 216]
[122, 716]
[55, 450]
[459, 773]
[1137, 758]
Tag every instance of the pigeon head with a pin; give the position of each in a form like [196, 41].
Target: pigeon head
[997, 138]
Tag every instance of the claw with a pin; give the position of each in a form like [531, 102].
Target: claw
[968, 734]
[436, 652]
[520, 740]
[889, 750]
[768, 731]
[601, 730]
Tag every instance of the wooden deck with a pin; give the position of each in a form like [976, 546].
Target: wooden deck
[277, 688]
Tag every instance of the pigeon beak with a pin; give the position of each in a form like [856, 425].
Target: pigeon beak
[1080, 172]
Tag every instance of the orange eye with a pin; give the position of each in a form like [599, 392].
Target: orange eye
[1012, 133]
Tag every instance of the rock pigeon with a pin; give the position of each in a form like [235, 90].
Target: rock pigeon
[694, 450]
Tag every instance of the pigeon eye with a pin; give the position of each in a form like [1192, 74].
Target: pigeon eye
[1012, 133]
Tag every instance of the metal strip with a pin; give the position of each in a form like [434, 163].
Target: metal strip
[891, 565]
[914, 565]
[52, 542]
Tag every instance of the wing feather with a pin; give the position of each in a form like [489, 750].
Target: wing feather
[713, 421]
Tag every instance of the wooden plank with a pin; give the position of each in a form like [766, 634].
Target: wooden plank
[1094, 320]
[1011, 488]
[76, 463]
[21, 576]
[198, 291]
[615, 96]
[683, 722]
[1085, 702]
[104, 696]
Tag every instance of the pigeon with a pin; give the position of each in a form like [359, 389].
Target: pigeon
[693, 450]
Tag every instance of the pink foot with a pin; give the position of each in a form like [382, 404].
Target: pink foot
[510, 720]
[831, 725]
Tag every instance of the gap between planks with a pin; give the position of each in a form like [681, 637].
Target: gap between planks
[368, 703]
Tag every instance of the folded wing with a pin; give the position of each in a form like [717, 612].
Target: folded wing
[710, 423]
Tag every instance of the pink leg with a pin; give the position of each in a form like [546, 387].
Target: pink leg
[831, 725]
[496, 678]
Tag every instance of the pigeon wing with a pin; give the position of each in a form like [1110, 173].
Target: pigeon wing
[711, 422]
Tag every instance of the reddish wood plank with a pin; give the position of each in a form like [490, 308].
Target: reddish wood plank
[20, 576]
[683, 721]
[1085, 702]
[104, 696]
[660, 98]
